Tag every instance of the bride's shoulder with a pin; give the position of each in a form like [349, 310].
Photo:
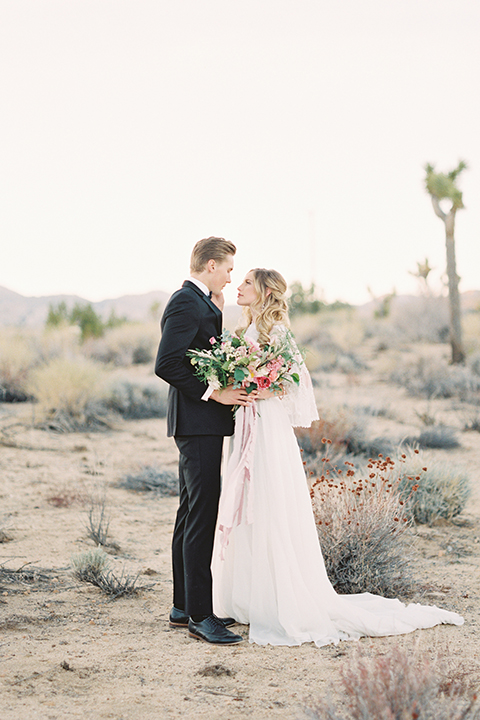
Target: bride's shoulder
[279, 330]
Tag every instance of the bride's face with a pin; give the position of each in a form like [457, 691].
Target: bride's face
[246, 291]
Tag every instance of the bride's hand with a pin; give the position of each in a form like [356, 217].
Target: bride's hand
[268, 393]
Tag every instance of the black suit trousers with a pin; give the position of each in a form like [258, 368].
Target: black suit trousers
[192, 546]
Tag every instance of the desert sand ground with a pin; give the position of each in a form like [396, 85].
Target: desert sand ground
[67, 651]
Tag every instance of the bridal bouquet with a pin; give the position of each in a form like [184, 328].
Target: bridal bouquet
[242, 362]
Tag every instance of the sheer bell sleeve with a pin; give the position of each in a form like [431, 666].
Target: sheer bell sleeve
[299, 400]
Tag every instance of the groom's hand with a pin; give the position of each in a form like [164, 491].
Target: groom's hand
[232, 396]
[219, 300]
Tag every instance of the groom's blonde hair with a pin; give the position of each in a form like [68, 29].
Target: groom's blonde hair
[211, 248]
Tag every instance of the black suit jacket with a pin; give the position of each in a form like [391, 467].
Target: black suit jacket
[189, 321]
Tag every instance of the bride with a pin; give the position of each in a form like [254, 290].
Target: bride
[270, 573]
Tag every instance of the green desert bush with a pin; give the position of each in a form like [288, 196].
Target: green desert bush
[136, 400]
[17, 359]
[433, 379]
[399, 685]
[363, 529]
[69, 394]
[442, 490]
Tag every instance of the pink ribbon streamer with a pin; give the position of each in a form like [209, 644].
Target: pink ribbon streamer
[236, 501]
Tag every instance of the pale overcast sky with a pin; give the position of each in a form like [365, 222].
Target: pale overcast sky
[296, 128]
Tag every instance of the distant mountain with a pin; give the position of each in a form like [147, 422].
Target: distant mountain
[19, 310]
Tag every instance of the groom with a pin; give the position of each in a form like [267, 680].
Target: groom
[198, 418]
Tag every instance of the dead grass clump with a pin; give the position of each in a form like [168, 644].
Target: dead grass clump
[362, 527]
[16, 361]
[442, 490]
[135, 401]
[29, 578]
[151, 479]
[69, 393]
[93, 567]
[98, 521]
[397, 686]
[426, 378]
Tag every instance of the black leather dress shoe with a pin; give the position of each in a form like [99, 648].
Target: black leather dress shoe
[212, 630]
[179, 619]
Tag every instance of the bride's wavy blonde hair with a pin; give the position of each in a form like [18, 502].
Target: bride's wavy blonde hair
[271, 305]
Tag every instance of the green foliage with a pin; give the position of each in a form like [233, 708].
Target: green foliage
[90, 324]
[57, 315]
[84, 316]
[115, 321]
[443, 185]
[303, 300]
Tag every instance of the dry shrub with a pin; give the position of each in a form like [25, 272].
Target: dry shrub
[440, 437]
[128, 344]
[423, 318]
[432, 379]
[399, 685]
[151, 479]
[362, 527]
[69, 393]
[93, 567]
[346, 433]
[59, 341]
[314, 444]
[135, 400]
[16, 361]
[442, 490]
[331, 338]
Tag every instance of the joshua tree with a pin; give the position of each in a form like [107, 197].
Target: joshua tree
[441, 186]
[423, 271]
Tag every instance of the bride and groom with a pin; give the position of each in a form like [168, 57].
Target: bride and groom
[271, 574]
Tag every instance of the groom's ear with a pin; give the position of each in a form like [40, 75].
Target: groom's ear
[211, 265]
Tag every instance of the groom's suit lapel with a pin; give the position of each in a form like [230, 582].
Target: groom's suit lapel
[207, 300]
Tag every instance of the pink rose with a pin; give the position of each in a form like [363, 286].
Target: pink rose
[212, 341]
[263, 382]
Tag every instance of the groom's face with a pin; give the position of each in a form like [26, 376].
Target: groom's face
[220, 275]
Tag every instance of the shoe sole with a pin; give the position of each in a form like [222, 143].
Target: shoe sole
[199, 637]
